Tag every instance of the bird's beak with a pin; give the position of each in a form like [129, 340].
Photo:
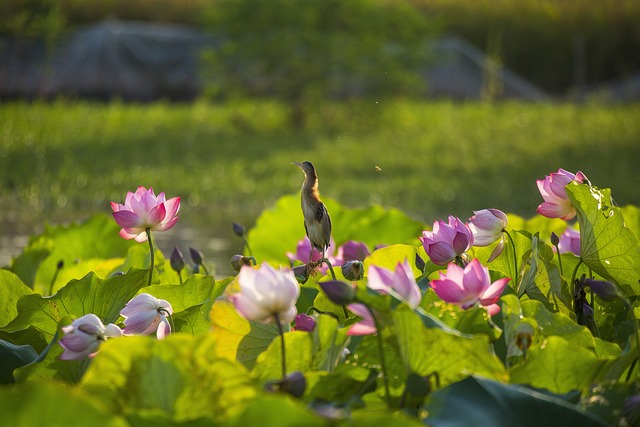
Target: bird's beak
[298, 164]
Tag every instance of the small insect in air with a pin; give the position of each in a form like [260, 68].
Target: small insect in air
[378, 168]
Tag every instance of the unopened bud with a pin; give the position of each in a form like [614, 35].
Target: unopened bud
[237, 261]
[339, 293]
[176, 260]
[302, 273]
[555, 240]
[353, 270]
[304, 322]
[605, 290]
[524, 336]
[196, 256]
[294, 384]
[238, 230]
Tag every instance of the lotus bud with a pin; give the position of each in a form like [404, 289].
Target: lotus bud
[294, 384]
[605, 290]
[196, 256]
[302, 273]
[339, 293]
[237, 261]
[238, 230]
[353, 270]
[176, 260]
[555, 240]
[524, 337]
[304, 322]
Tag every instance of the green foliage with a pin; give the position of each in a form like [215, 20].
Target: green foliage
[430, 364]
[179, 377]
[607, 246]
[487, 402]
[69, 247]
[516, 33]
[12, 357]
[102, 297]
[54, 404]
[373, 226]
[237, 338]
[436, 158]
[304, 52]
[11, 289]
[597, 36]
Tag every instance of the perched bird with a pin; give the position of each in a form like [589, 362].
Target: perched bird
[317, 222]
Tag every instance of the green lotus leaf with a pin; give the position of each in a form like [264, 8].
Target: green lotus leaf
[11, 289]
[373, 226]
[91, 294]
[559, 366]
[236, 337]
[179, 376]
[48, 404]
[607, 245]
[491, 403]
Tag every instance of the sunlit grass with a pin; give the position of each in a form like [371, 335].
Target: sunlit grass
[69, 159]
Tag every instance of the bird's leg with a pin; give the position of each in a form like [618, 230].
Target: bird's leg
[310, 267]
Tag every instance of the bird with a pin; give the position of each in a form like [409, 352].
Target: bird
[317, 222]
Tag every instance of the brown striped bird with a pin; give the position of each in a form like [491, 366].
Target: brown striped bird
[317, 222]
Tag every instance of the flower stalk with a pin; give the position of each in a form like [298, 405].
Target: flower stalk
[282, 345]
[515, 255]
[572, 285]
[383, 364]
[326, 261]
[151, 253]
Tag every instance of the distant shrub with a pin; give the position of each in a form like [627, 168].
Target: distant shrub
[556, 44]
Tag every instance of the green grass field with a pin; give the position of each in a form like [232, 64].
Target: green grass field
[65, 160]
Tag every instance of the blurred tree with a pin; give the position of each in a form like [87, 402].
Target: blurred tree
[303, 51]
[32, 19]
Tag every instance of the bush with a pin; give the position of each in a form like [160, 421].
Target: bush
[556, 44]
[304, 51]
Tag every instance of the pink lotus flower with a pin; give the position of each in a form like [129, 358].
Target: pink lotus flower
[142, 210]
[556, 201]
[303, 249]
[487, 226]
[469, 286]
[401, 283]
[447, 241]
[367, 325]
[146, 314]
[570, 241]
[84, 335]
[352, 251]
[266, 294]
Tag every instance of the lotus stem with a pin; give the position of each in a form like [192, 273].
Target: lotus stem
[515, 255]
[284, 357]
[381, 350]
[151, 253]
[326, 261]
[572, 285]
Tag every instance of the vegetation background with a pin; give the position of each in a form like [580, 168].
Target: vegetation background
[229, 153]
